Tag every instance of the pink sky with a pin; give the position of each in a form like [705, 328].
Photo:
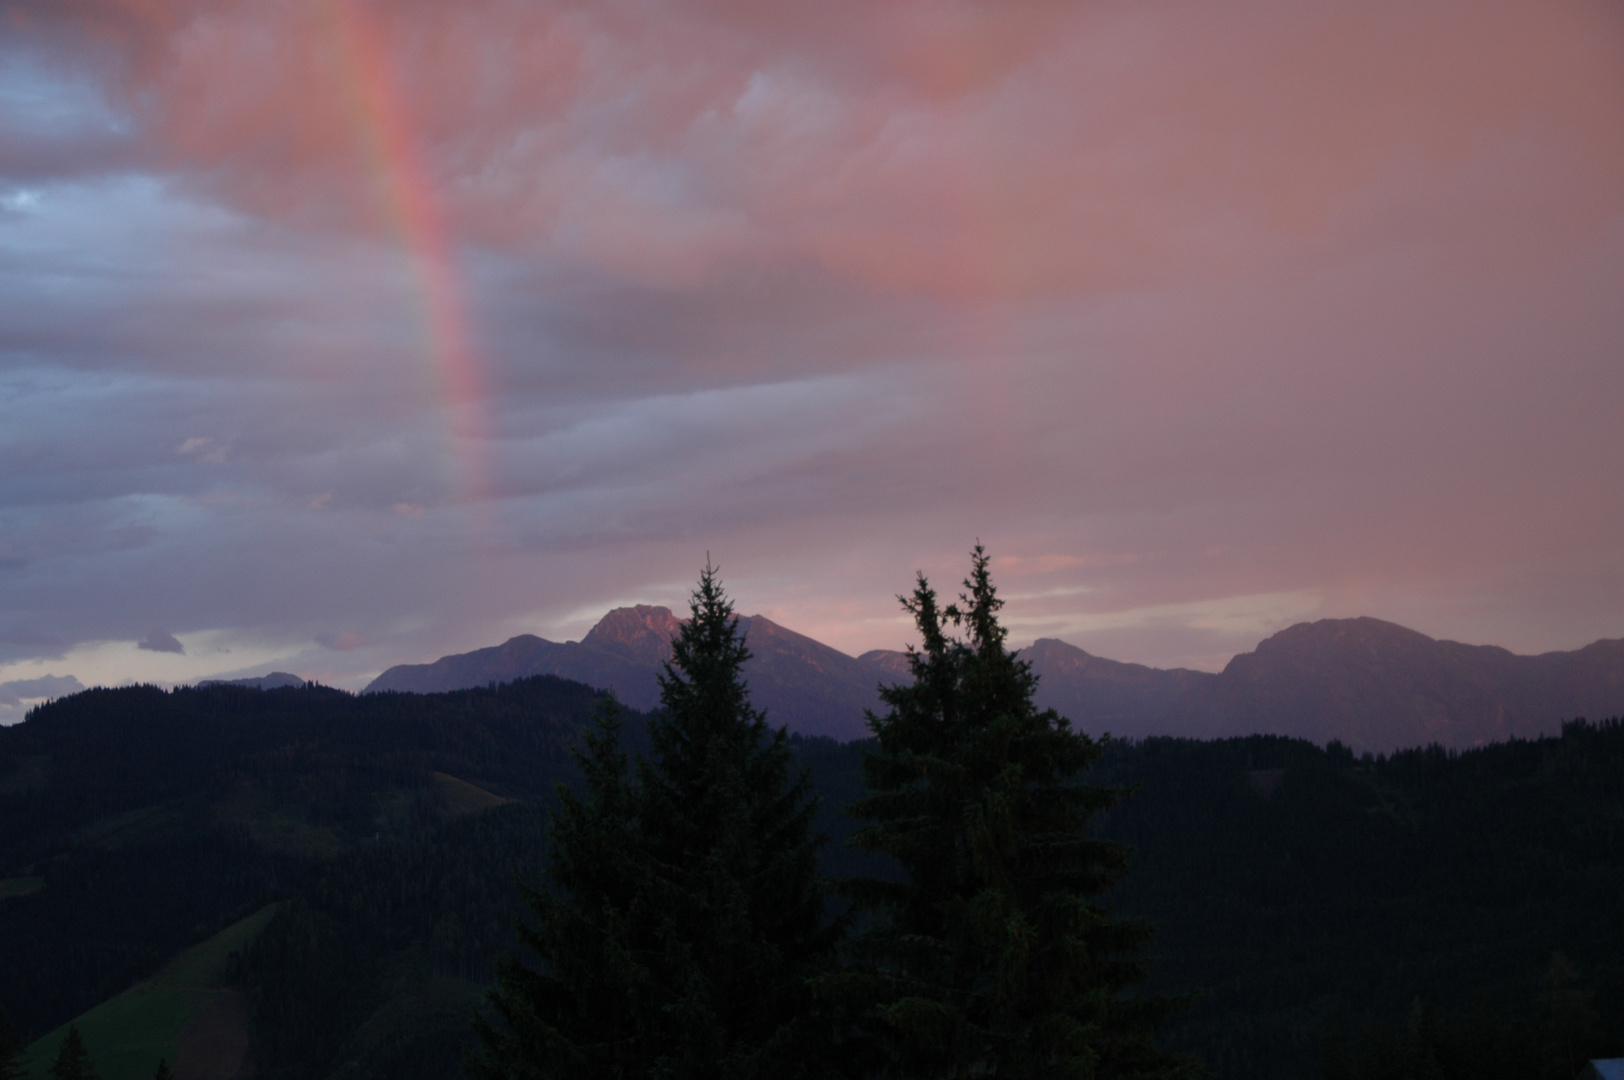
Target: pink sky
[337, 334]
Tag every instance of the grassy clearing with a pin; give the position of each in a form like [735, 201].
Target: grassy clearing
[132, 826]
[276, 826]
[126, 1035]
[461, 797]
[20, 886]
[31, 774]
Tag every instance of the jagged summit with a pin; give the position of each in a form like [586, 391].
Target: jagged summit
[803, 683]
[891, 663]
[643, 632]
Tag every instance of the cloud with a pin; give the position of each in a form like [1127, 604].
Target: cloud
[203, 449]
[18, 644]
[969, 151]
[343, 642]
[160, 641]
[17, 691]
[1171, 304]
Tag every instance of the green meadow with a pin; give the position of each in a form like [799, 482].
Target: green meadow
[128, 1034]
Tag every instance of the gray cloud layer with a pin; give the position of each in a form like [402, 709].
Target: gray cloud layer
[47, 686]
[1204, 322]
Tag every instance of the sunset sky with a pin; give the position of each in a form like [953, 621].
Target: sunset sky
[336, 334]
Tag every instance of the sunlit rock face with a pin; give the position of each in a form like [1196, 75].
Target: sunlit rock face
[641, 633]
[892, 664]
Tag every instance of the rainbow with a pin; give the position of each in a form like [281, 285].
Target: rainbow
[406, 192]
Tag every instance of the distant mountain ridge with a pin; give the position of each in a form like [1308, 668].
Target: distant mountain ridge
[1373, 685]
[813, 688]
[276, 680]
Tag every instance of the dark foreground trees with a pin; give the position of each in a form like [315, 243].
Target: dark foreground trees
[685, 915]
[11, 1049]
[73, 1060]
[1554, 1041]
[685, 933]
[993, 956]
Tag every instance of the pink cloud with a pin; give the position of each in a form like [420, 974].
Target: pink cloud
[972, 151]
[1171, 303]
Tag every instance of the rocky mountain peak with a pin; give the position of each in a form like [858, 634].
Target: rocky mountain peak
[643, 632]
[892, 663]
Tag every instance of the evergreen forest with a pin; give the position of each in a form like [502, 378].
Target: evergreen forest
[1278, 909]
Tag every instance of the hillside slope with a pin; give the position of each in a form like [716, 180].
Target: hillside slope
[183, 1015]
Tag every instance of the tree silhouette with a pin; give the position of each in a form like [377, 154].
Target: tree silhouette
[584, 1012]
[685, 914]
[735, 860]
[994, 956]
[11, 1050]
[73, 1060]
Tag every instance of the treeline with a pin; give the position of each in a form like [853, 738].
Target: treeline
[83, 759]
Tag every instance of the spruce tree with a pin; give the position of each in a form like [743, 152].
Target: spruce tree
[163, 1072]
[11, 1050]
[685, 913]
[587, 1011]
[735, 862]
[73, 1060]
[995, 955]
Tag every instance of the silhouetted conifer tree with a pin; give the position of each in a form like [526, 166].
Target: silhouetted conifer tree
[73, 1060]
[163, 1072]
[735, 861]
[994, 956]
[586, 1012]
[1570, 1017]
[686, 913]
[11, 1049]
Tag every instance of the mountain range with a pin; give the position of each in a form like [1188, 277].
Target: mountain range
[814, 689]
[1370, 684]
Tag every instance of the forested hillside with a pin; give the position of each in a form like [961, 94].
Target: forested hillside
[1306, 892]
[135, 822]
[1300, 891]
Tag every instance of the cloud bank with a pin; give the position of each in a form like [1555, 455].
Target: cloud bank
[351, 333]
